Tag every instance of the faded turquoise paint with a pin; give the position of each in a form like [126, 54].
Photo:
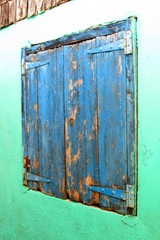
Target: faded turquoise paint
[28, 214]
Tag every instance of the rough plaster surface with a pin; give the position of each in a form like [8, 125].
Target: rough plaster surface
[31, 215]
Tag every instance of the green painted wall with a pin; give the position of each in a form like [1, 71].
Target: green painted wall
[32, 215]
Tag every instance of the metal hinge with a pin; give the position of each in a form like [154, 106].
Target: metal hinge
[125, 43]
[30, 65]
[35, 178]
[27, 176]
[128, 42]
[124, 195]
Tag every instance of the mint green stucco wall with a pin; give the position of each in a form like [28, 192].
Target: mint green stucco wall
[28, 215]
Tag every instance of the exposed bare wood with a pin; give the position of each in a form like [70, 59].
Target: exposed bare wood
[31, 8]
[40, 6]
[3, 1]
[59, 2]
[15, 10]
[4, 15]
[48, 4]
[21, 9]
[12, 11]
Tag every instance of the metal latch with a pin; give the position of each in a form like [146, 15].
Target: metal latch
[124, 195]
[128, 42]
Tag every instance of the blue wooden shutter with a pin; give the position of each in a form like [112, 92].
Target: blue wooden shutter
[79, 118]
[99, 115]
[44, 127]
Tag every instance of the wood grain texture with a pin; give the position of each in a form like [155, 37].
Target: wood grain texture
[82, 36]
[40, 6]
[12, 11]
[16, 10]
[48, 4]
[21, 9]
[3, 1]
[80, 105]
[86, 120]
[31, 8]
[112, 124]
[4, 15]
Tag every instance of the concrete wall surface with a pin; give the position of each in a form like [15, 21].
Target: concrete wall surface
[28, 215]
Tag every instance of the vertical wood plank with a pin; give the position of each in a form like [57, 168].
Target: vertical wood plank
[51, 123]
[4, 15]
[31, 122]
[48, 4]
[21, 9]
[40, 6]
[31, 8]
[80, 106]
[12, 11]
[54, 3]
[3, 1]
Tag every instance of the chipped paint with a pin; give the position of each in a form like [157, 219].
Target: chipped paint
[107, 199]
[28, 127]
[66, 129]
[76, 156]
[88, 181]
[74, 112]
[36, 127]
[35, 163]
[70, 85]
[81, 185]
[120, 64]
[76, 195]
[114, 187]
[68, 154]
[78, 83]
[74, 64]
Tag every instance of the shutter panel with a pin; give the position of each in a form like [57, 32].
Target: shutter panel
[80, 107]
[112, 135]
[45, 113]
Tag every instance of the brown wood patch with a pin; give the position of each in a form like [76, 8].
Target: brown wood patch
[21, 9]
[31, 8]
[4, 15]
[40, 6]
[16, 10]
[3, 1]
[48, 4]
[12, 11]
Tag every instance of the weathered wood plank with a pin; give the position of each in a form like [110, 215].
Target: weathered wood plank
[40, 6]
[21, 9]
[54, 3]
[112, 125]
[31, 8]
[4, 15]
[80, 106]
[59, 2]
[12, 11]
[85, 35]
[51, 123]
[32, 122]
[48, 4]
[3, 1]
